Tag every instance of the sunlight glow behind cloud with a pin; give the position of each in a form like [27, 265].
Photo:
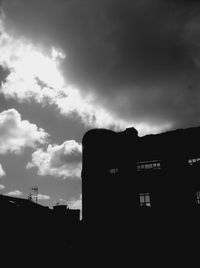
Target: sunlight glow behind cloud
[37, 75]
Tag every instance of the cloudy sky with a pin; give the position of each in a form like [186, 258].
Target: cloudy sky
[70, 65]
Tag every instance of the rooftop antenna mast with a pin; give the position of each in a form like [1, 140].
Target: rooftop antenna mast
[35, 190]
[30, 198]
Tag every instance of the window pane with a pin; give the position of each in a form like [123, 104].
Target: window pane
[147, 198]
[154, 164]
[141, 198]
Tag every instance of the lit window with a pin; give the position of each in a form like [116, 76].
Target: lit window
[113, 170]
[193, 161]
[148, 165]
[145, 200]
[198, 198]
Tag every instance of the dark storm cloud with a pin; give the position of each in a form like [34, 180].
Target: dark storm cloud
[141, 58]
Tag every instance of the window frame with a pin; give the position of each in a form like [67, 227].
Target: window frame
[197, 197]
[148, 165]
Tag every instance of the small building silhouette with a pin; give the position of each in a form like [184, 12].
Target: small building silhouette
[37, 227]
[72, 215]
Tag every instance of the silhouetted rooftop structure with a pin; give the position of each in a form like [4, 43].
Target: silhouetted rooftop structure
[38, 227]
[71, 214]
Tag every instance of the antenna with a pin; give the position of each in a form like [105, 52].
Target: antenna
[30, 197]
[35, 190]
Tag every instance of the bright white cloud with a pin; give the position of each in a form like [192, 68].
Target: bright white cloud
[2, 172]
[2, 187]
[15, 193]
[42, 197]
[15, 133]
[58, 160]
[36, 74]
[76, 203]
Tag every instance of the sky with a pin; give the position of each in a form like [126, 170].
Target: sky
[67, 66]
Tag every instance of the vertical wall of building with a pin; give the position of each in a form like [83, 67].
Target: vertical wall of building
[109, 170]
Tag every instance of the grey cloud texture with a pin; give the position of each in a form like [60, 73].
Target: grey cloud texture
[2, 172]
[140, 58]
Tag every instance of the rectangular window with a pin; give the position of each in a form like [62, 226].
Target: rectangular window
[145, 200]
[113, 170]
[193, 161]
[198, 198]
[146, 165]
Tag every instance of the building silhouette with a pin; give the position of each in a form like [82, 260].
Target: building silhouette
[72, 215]
[141, 189]
[29, 228]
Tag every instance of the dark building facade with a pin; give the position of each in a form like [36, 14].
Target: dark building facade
[142, 185]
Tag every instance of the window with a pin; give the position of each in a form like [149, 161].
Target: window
[113, 170]
[155, 164]
[145, 200]
[193, 161]
[198, 198]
